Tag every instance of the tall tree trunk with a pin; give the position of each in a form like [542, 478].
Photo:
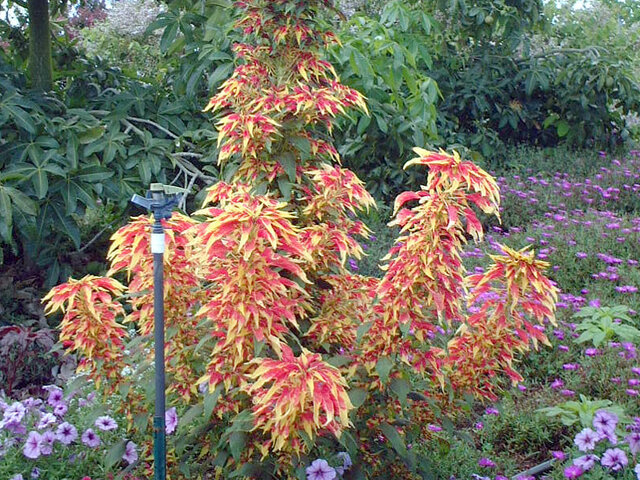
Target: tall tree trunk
[40, 65]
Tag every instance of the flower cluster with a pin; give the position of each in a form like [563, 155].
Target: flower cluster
[601, 446]
[57, 433]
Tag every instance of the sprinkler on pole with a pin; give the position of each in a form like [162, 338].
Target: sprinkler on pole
[160, 200]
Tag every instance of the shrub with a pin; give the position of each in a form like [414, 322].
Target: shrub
[273, 347]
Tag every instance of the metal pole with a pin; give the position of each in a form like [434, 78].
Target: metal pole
[159, 438]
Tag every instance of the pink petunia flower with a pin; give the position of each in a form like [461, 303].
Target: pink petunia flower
[171, 420]
[586, 440]
[573, 471]
[45, 421]
[106, 423]
[31, 447]
[605, 421]
[615, 459]
[90, 438]
[66, 433]
[634, 442]
[320, 470]
[46, 443]
[586, 462]
[130, 453]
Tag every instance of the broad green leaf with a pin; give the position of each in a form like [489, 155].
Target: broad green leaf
[383, 368]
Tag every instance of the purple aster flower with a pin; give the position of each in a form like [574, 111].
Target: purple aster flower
[605, 421]
[320, 470]
[563, 348]
[573, 471]
[592, 352]
[570, 366]
[632, 392]
[635, 370]
[558, 455]
[130, 453]
[521, 387]
[106, 423]
[479, 426]
[567, 393]
[46, 442]
[434, 428]
[586, 440]
[486, 463]
[557, 383]
[170, 420]
[90, 439]
[32, 445]
[586, 462]
[634, 442]
[615, 459]
[634, 382]
[492, 411]
[66, 433]
[45, 421]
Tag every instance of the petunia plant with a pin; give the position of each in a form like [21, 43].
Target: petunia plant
[276, 353]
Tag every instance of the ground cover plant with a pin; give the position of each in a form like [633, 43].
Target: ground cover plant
[281, 362]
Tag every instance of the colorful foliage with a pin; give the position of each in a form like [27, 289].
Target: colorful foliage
[256, 279]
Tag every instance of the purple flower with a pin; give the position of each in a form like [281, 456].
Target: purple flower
[570, 366]
[479, 426]
[573, 471]
[486, 463]
[106, 423]
[634, 443]
[32, 445]
[66, 433]
[558, 455]
[492, 411]
[346, 462]
[434, 428]
[90, 439]
[130, 453]
[586, 440]
[615, 459]
[56, 395]
[320, 470]
[605, 421]
[46, 443]
[557, 383]
[586, 462]
[14, 414]
[635, 370]
[46, 420]
[567, 393]
[35, 473]
[592, 352]
[637, 470]
[60, 409]
[170, 420]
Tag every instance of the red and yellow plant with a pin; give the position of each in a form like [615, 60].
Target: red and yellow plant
[257, 293]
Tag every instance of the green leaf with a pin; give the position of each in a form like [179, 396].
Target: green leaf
[40, 182]
[395, 439]
[288, 162]
[6, 216]
[91, 135]
[401, 388]
[237, 442]
[562, 128]
[114, 455]
[22, 118]
[193, 412]
[357, 396]
[69, 227]
[383, 368]
[211, 400]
